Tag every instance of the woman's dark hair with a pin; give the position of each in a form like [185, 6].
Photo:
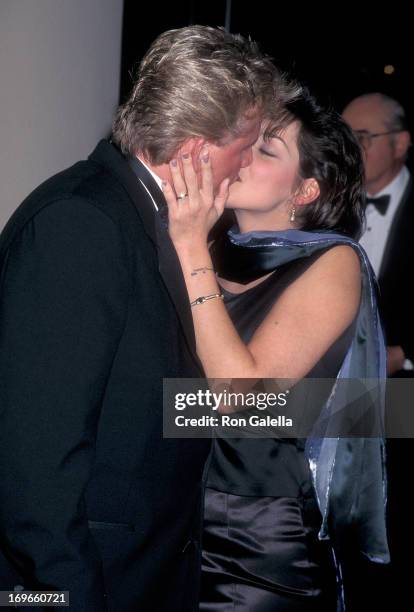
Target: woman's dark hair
[328, 152]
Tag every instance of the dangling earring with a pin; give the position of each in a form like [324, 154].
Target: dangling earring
[292, 214]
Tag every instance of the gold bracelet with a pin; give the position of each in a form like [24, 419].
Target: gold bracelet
[204, 298]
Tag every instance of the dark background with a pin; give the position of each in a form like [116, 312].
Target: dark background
[338, 50]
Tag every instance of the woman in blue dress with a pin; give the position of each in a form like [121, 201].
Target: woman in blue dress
[287, 293]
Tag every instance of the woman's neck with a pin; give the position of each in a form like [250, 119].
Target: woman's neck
[252, 221]
[249, 221]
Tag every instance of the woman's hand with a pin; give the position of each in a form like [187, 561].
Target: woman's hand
[193, 209]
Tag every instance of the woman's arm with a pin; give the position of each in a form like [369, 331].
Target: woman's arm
[304, 322]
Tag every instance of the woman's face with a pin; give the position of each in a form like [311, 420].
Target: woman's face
[271, 179]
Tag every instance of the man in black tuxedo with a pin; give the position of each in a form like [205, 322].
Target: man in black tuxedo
[94, 313]
[380, 124]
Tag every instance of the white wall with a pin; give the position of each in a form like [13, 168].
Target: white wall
[59, 84]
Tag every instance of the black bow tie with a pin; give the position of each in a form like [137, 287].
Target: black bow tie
[381, 203]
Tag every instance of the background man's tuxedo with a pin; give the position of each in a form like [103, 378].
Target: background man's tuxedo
[396, 296]
[397, 301]
[383, 585]
[94, 313]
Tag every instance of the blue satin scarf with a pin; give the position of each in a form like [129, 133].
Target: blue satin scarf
[348, 473]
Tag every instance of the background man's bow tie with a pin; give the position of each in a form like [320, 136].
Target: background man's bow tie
[381, 203]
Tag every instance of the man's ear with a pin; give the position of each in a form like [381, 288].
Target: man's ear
[402, 142]
[309, 191]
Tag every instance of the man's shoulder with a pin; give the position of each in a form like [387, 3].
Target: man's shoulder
[85, 188]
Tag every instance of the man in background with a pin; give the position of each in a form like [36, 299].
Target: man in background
[380, 124]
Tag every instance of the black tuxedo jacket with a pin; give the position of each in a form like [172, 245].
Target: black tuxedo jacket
[383, 582]
[94, 313]
[396, 295]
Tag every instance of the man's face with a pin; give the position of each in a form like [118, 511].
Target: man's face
[380, 155]
[227, 159]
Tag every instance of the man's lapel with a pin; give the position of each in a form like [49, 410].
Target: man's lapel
[168, 262]
[141, 186]
[398, 229]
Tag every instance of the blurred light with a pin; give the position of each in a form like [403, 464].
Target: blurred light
[389, 69]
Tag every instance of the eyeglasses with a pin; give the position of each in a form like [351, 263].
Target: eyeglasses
[365, 137]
